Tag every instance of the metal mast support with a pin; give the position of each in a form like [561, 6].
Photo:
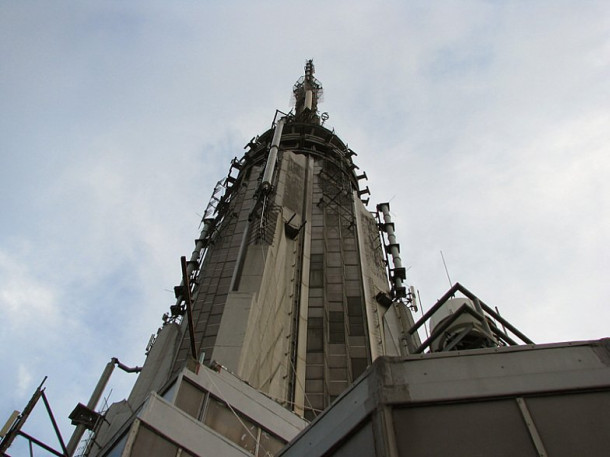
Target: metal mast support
[192, 265]
[398, 273]
[95, 397]
[272, 159]
[398, 276]
[16, 422]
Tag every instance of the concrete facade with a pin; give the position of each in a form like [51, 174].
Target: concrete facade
[285, 294]
[298, 319]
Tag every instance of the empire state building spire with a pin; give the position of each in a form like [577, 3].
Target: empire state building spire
[307, 93]
[280, 291]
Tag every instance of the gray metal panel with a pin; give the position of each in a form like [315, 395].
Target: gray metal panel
[515, 370]
[491, 428]
[465, 404]
[362, 442]
[574, 424]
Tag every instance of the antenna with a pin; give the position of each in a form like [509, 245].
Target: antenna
[503, 326]
[308, 92]
[421, 308]
[446, 270]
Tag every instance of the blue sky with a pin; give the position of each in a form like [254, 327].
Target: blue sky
[484, 123]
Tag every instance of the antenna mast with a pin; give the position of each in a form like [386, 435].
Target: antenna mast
[307, 93]
[446, 269]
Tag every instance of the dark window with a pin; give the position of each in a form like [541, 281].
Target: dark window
[354, 306]
[149, 444]
[316, 261]
[336, 327]
[315, 335]
[356, 326]
[358, 366]
[316, 278]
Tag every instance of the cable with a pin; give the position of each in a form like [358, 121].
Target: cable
[222, 397]
[294, 371]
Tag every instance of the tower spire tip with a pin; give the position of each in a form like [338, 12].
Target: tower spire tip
[307, 93]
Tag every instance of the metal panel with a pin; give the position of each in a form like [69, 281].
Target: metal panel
[150, 444]
[467, 404]
[575, 424]
[463, 429]
[360, 443]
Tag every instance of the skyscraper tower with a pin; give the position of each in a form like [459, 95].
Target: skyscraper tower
[288, 264]
[287, 287]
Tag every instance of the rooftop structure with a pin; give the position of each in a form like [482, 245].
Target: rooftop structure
[547, 400]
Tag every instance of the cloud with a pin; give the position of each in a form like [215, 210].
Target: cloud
[24, 381]
[25, 299]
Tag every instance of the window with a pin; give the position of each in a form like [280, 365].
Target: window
[149, 444]
[315, 335]
[233, 426]
[336, 327]
[228, 422]
[190, 399]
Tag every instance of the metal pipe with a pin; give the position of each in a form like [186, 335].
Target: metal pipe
[189, 309]
[125, 368]
[95, 397]
[31, 439]
[265, 187]
[496, 316]
[54, 422]
[272, 159]
[394, 251]
[200, 243]
[502, 335]
[507, 324]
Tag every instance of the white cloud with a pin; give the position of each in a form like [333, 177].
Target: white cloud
[24, 381]
[25, 299]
